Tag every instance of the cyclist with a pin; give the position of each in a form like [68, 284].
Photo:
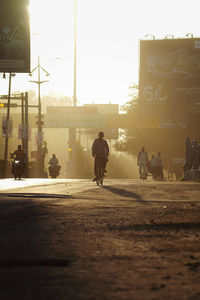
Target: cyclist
[100, 152]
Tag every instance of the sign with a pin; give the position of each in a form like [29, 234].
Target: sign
[39, 137]
[2, 105]
[7, 128]
[23, 133]
[35, 154]
[74, 120]
[14, 36]
[71, 109]
[169, 71]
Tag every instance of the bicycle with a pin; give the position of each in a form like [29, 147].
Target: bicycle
[100, 170]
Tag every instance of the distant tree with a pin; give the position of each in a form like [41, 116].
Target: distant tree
[169, 141]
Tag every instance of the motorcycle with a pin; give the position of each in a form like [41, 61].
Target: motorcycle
[17, 167]
[54, 171]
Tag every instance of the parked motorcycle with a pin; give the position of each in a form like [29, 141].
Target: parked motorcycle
[54, 171]
[17, 167]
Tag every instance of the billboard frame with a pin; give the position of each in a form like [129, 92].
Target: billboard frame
[14, 36]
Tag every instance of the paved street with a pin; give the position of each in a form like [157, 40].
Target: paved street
[69, 239]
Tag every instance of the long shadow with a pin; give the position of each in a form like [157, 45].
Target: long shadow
[35, 195]
[158, 227]
[125, 193]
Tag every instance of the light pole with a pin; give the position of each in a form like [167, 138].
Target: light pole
[75, 101]
[72, 131]
[8, 116]
[39, 82]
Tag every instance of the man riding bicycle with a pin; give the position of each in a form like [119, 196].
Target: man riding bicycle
[100, 152]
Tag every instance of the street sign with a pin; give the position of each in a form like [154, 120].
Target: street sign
[4, 105]
[39, 137]
[7, 128]
[71, 109]
[74, 120]
[23, 133]
[35, 154]
[41, 123]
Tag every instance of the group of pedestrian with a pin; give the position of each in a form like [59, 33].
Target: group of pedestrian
[154, 166]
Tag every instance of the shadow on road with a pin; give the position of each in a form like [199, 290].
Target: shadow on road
[124, 193]
[35, 195]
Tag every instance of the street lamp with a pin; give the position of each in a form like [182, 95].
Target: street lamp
[39, 82]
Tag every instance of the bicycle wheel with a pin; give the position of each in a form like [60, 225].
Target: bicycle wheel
[101, 175]
[98, 176]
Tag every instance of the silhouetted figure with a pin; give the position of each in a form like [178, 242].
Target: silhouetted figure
[100, 152]
[159, 165]
[142, 163]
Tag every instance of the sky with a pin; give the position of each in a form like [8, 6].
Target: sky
[108, 34]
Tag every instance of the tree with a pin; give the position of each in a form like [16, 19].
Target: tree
[161, 138]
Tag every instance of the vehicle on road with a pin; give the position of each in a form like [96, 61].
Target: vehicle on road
[100, 168]
[17, 167]
[54, 171]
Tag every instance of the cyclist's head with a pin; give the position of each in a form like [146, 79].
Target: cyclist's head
[143, 149]
[54, 155]
[101, 135]
[19, 147]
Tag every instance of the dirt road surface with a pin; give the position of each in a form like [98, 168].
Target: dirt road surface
[126, 240]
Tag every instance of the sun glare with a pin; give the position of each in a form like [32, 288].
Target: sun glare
[108, 34]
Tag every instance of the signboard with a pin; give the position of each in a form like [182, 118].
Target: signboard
[169, 71]
[39, 138]
[104, 108]
[7, 128]
[71, 109]
[35, 154]
[23, 133]
[74, 121]
[14, 36]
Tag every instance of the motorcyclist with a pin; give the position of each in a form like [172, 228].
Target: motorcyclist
[100, 151]
[20, 155]
[53, 162]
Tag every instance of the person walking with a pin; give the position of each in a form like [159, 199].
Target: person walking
[159, 165]
[142, 163]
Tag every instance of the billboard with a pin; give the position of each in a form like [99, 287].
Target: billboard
[170, 71]
[14, 36]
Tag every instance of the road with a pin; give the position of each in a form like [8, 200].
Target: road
[69, 239]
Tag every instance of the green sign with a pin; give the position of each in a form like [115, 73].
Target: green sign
[74, 121]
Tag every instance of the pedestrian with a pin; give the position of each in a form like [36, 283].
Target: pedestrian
[159, 165]
[153, 163]
[142, 162]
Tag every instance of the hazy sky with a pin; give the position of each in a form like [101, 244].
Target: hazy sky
[108, 34]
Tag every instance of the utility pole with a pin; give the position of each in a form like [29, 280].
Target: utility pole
[72, 131]
[26, 131]
[75, 100]
[39, 82]
[7, 119]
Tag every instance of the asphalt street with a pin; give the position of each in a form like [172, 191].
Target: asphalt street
[69, 239]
